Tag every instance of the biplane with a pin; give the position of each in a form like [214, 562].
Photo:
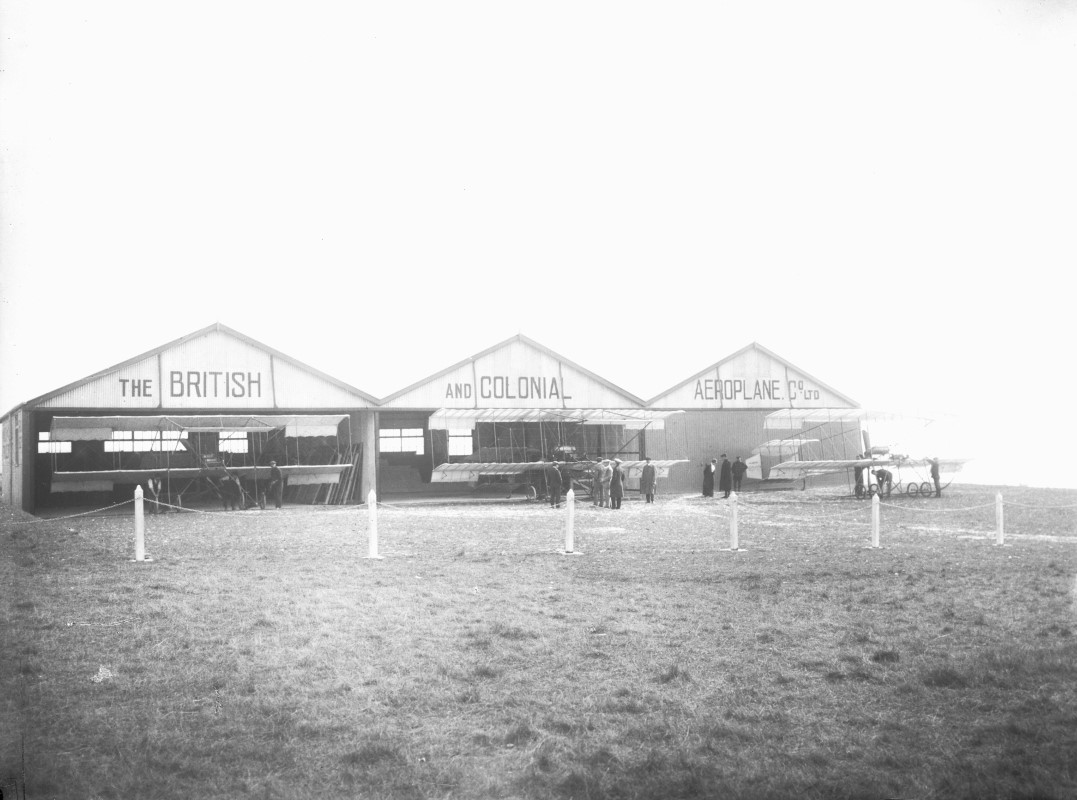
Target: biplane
[531, 477]
[180, 455]
[514, 474]
[830, 424]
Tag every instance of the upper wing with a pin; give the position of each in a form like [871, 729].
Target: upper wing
[105, 480]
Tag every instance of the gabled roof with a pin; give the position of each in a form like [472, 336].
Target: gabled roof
[214, 328]
[746, 349]
[631, 399]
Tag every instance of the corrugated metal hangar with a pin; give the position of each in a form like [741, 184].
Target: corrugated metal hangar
[193, 417]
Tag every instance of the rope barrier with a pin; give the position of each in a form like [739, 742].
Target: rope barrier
[120, 621]
[73, 516]
[937, 510]
[1041, 508]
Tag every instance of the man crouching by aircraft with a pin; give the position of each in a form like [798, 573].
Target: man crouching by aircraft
[884, 478]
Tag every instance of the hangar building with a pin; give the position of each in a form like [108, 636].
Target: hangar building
[726, 409]
[227, 399]
[217, 398]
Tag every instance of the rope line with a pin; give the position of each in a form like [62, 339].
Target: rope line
[938, 510]
[73, 516]
[1042, 508]
[120, 621]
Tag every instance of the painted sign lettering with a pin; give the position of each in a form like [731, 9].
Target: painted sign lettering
[748, 389]
[509, 387]
[737, 389]
[191, 383]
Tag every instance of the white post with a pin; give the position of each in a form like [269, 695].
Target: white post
[734, 541]
[140, 526]
[875, 520]
[999, 535]
[372, 510]
[570, 520]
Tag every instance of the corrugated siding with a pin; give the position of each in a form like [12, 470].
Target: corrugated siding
[702, 435]
[108, 391]
[294, 387]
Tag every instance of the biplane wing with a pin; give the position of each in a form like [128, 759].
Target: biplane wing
[101, 428]
[105, 480]
[104, 428]
[795, 470]
[471, 472]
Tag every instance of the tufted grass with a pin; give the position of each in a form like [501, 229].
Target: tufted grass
[261, 655]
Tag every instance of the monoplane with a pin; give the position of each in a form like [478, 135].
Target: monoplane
[830, 424]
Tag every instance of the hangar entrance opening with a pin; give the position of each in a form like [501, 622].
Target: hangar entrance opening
[194, 460]
[412, 445]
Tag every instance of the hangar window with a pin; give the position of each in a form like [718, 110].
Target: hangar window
[401, 440]
[460, 442]
[144, 441]
[46, 445]
[232, 442]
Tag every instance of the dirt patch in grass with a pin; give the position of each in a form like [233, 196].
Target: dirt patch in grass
[261, 655]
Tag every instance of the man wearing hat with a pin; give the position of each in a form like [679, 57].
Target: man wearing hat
[596, 484]
[617, 484]
[935, 476]
[553, 484]
[607, 477]
[276, 484]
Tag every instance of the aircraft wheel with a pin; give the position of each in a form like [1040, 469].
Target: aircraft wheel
[912, 490]
[860, 491]
[873, 490]
[927, 489]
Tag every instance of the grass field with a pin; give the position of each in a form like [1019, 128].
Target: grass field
[261, 655]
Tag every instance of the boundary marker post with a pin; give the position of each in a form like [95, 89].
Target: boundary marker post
[875, 520]
[372, 512]
[140, 527]
[570, 524]
[734, 536]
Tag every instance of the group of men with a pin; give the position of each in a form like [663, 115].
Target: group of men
[729, 474]
[231, 491]
[607, 482]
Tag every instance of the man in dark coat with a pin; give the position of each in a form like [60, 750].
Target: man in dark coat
[858, 473]
[739, 468]
[708, 477]
[276, 484]
[553, 484]
[725, 477]
[648, 481]
[935, 476]
[617, 484]
[885, 481]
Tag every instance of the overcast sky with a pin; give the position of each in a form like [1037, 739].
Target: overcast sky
[883, 194]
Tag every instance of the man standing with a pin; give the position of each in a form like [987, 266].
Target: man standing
[617, 484]
[276, 484]
[935, 476]
[858, 472]
[739, 468]
[708, 477]
[596, 483]
[725, 477]
[553, 484]
[648, 481]
[607, 477]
